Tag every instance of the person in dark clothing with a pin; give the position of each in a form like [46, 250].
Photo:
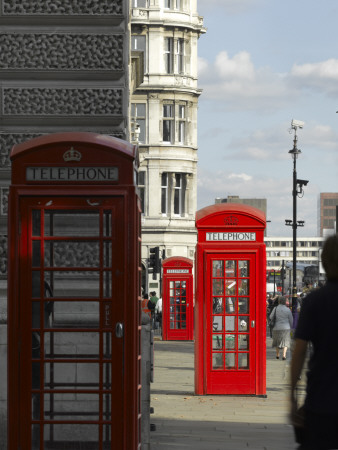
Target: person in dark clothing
[317, 326]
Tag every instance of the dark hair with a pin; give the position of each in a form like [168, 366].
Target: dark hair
[146, 296]
[330, 257]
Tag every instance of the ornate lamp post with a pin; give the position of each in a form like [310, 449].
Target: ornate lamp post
[297, 191]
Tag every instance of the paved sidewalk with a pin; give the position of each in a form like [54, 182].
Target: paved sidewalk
[185, 421]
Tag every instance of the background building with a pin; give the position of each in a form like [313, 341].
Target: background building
[164, 35]
[327, 213]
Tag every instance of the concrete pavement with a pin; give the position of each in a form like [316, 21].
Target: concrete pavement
[185, 421]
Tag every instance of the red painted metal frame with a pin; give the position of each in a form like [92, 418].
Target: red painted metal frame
[97, 150]
[171, 272]
[225, 218]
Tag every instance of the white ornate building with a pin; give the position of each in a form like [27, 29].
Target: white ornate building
[164, 119]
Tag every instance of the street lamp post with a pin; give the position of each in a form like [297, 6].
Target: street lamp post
[297, 190]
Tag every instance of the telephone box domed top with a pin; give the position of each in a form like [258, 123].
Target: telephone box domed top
[177, 261]
[73, 138]
[74, 157]
[230, 215]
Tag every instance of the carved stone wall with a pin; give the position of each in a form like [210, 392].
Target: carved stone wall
[87, 7]
[72, 102]
[61, 51]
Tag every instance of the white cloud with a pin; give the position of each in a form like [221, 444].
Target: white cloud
[240, 176]
[321, 76]
[239, 85]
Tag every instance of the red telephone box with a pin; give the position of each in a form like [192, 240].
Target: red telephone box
[230, 306]
[177, 299]
[73, 304]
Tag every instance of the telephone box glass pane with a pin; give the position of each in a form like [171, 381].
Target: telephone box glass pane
[35, 436]
[107, 223]
[230, 343]
[74, 314]
[72, 223]
[230, 360]
[243, 360]
[35, 314]
[217, 342]
[217, 324]
[36, 280]
[217, 360]
[217, 305]
[243, 269]
[243, 342]
[243, 305]
[79, 407]
[243, 323]
[36, 222]
[77, 345]
[230, 323]
[107, 373]
[230, 269]
[230, 305]
[243, 287]
[74, 284]
[107, 254]
[230, 287]
[218, 287]
[36, 253]
[72, 254]
[72, 375]
[217, 269]
[71, 436]
[36, 406]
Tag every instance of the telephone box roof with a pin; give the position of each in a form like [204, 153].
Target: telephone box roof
[73, 138]
[207, 214]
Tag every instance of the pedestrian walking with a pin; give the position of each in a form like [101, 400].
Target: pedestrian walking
[281, 331]
[317, 325]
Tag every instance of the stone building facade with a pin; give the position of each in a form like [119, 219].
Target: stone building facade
[164, 34]
[64, 66]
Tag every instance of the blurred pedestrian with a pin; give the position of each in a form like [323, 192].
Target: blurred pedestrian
[317, 325]
[281, 332]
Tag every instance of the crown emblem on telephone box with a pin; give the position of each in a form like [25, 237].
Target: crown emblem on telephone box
[72, 155]
[231, 221]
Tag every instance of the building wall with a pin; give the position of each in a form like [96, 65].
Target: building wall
[166, 33]
[328, 202]
[64, 67]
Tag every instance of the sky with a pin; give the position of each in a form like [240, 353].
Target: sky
[261, 64]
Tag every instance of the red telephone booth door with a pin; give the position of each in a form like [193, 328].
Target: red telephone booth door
[179, 309]
[71, 323]
[231, 332]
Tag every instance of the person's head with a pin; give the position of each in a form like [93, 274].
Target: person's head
[281, 300]
[330, 257]
[146, 296]
[153, 293]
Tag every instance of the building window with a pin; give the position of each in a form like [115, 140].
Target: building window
[164, 193]
[168, 123]
[169, 55]
[138, 116]
[179, 56]
[181, 124]
[141, 188]
[179, 194]
[139, 3]
[173, 4]
[138, 43]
